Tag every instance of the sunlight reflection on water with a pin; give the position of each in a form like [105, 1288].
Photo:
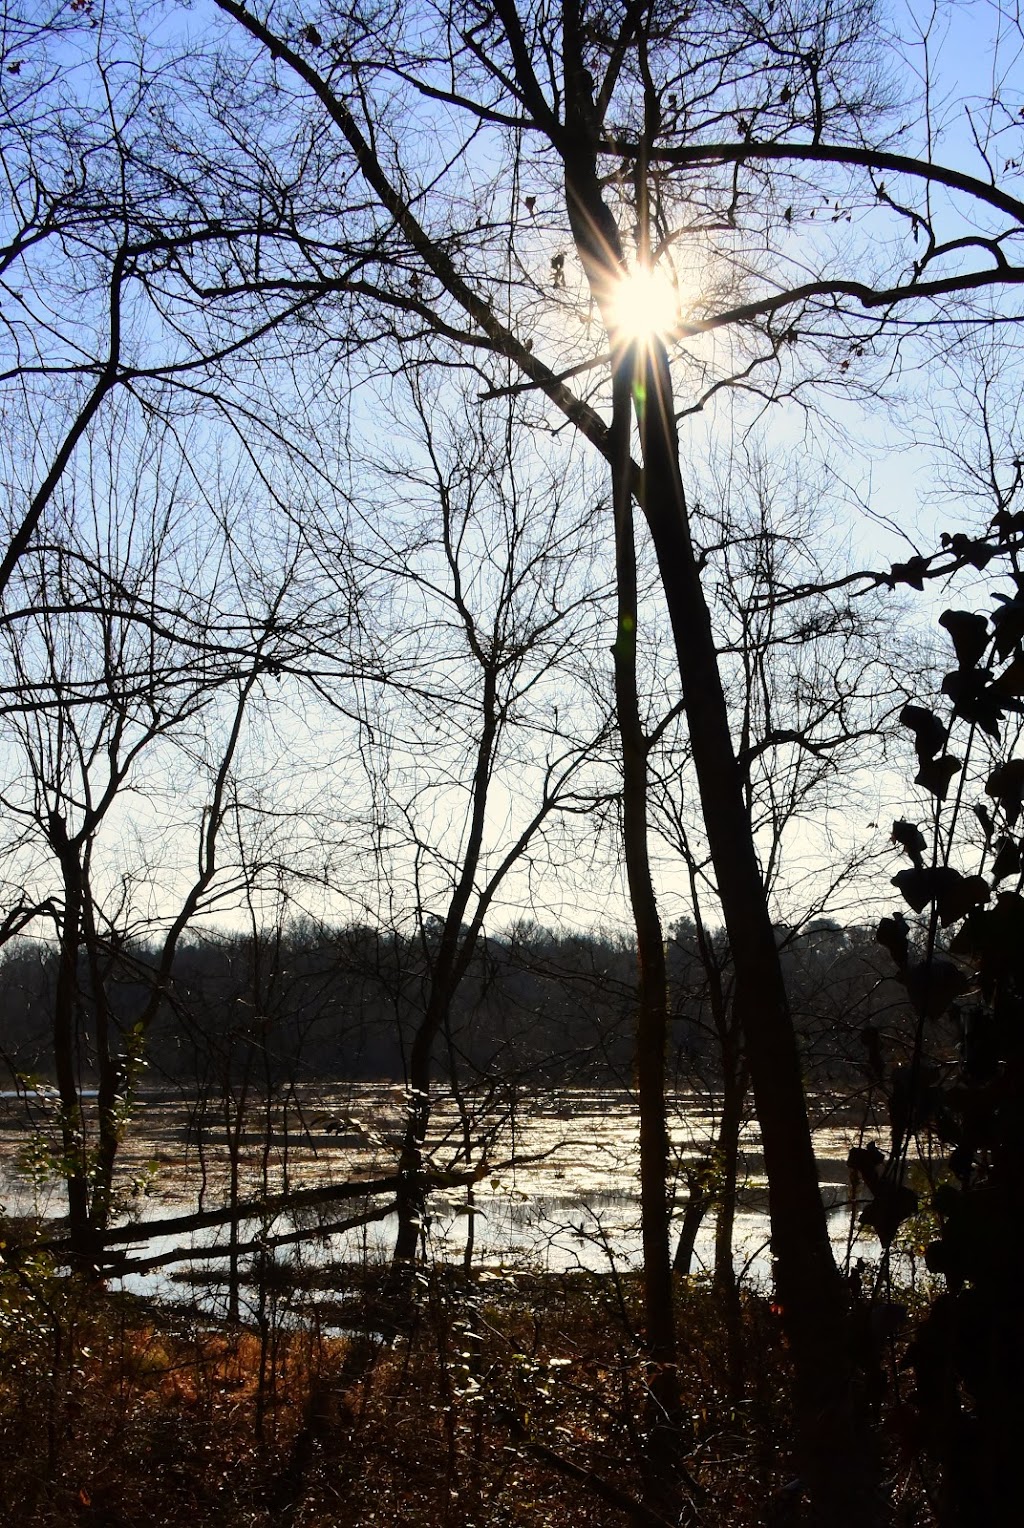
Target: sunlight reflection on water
[561, 1191]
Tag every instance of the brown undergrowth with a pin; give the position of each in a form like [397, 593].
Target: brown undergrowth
[494, 1401]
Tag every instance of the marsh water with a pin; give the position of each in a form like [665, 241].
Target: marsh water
[560, 1190]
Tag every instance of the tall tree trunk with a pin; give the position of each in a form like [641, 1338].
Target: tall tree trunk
[652, 1018]
[698, 1203]
[735, 1081]
[111, 1077]
[444, 979]
[411, 1197]
[235, 1115]
[835, 1447]
[837, 1456]
[72, 1121]
[728, 1152]
[728, 1155]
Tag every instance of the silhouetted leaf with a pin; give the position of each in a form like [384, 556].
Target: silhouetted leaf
[1006, 785]
[980, 1044]
[872, 1042]
[929, 732]
[891, 1206]
[909, 836]
[953, 894]
[1007, 860]
[947, 1259]
[973, 698]
[936, 774]
[957, 894]
[979, 553]
[985, 818]
[969, 633]
[977, 1244]
[915, 887]
[1007, 522]
[994, 940]
[1008, 620]
[868, 1163]
[910, 572]
[893, 933]
[911, 1099]
[891, 1203]
[933, 985]
[1011, 680]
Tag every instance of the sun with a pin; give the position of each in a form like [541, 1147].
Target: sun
[643, 306]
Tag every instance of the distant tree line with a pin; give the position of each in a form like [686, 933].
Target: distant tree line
[537, 1007]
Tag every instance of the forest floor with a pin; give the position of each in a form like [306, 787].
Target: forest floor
[496, 1400]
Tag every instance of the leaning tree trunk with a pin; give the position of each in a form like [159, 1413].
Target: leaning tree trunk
[652, 1019]
[837, 1456]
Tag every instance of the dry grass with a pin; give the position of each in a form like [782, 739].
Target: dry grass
[118, 1416]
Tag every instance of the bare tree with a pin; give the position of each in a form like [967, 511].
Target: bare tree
[125, 709]
[613, 105]
[478, 753]
[813, 691]
[133, 220]
[756, 147]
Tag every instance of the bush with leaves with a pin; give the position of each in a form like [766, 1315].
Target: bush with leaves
[966, 1411]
